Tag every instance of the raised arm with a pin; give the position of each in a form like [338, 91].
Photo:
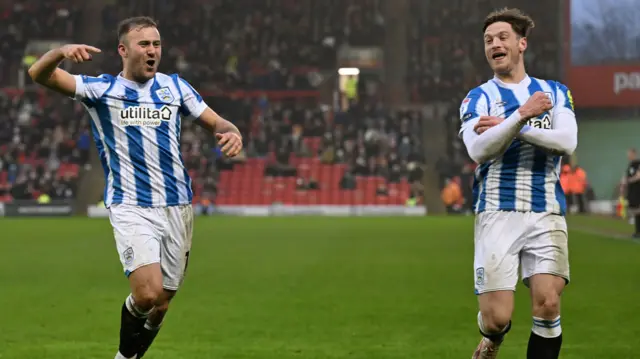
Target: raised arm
[46, 72]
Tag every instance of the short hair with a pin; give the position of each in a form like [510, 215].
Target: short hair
[520, 22]
[127, 25]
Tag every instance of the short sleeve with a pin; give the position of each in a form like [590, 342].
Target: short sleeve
[89, 88]
[191, 104]
[472, 108]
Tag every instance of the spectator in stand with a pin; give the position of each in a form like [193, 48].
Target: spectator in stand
[452, 196]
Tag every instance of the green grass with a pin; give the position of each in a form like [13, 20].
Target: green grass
[313, 288]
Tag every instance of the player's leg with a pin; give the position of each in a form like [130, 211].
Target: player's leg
[634, 210]
[494, 317]
[175, 249]
[545, 340]
[496, 260]
[137, 239]
[570, 201]
[154, 322]
[146, 284]
[545, 269]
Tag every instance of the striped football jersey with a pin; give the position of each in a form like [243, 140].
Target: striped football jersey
[136, 127]
[524, 178]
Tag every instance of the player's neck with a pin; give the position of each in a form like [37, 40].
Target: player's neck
[514, 77]
[127, 75]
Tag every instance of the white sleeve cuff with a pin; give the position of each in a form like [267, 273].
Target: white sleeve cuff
[200, 107]
[80, 88]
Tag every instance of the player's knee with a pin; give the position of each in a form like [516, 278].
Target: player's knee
[495, 320]
[546, 304]
[147, 296]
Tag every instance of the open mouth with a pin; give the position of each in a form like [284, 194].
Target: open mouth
[151, 63]
[499, 55]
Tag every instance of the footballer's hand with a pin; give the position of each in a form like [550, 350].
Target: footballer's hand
[537, 104]
[231, 143]
[486, 122]
[79, 53]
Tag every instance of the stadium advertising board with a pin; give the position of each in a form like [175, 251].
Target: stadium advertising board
[279, 210]
[37, 210]
[368, 58]
[603, 70]
[605, 86]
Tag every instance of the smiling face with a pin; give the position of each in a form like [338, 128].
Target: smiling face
[141, 50]
[503, 47]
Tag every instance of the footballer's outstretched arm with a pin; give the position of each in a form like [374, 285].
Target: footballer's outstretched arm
[227, 133]
[46, 72]
[216, 124]
[193, 106]
[562, 139]
[494, 141]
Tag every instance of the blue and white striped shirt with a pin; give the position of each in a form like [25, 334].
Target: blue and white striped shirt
[136, 127]
[525, 177]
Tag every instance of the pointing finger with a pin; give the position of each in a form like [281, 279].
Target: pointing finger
[93, 49]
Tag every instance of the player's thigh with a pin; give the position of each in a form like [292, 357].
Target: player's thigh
[547, 249]
[546, 290]
[137, 232]
[176, 245]
[497, 244]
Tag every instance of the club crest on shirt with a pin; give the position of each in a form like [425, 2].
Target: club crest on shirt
[165, 95]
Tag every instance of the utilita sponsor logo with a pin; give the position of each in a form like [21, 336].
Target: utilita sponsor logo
[626, 81]
[144, 116]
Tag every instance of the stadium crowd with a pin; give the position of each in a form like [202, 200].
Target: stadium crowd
[370, 141]
[43, 144]
[249, 45]
[21, 21]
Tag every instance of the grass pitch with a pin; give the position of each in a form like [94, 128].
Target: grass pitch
[313, 288]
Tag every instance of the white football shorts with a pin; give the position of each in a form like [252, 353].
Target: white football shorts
[154, 235]
[537, 243]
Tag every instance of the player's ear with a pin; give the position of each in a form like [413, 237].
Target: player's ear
[522, 44]
[122, 49]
